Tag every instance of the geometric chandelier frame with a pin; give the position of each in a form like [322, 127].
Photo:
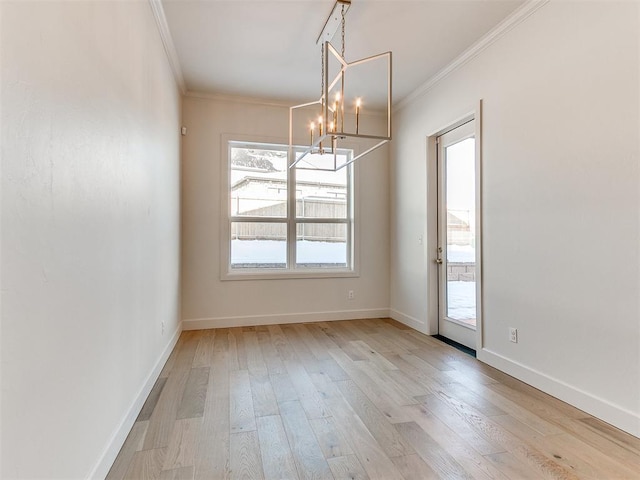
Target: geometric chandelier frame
[331, 124]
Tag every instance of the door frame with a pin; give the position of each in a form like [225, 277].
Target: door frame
[431, 245]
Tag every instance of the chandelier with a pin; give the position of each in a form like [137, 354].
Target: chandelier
[337, 116]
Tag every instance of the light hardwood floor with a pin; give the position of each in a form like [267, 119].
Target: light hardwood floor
[355, 400]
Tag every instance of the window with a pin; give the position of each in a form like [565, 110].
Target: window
[284, 222]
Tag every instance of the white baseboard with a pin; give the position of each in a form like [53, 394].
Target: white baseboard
[410, 321]
[120, 435]
[603, 409]
[272, 319]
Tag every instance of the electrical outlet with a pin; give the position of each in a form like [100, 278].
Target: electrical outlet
[513, 335]
[351, 295]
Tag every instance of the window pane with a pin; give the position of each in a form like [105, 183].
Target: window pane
[321, 245]
[321, 194]
[327, 162]
[258, 182]
[258, 245]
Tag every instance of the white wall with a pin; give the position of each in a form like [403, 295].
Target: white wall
[90, 229]
[561, 200]
[206, 300]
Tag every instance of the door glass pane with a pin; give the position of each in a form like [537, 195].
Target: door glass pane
[461, 213]
[321, 245]
[258, 245]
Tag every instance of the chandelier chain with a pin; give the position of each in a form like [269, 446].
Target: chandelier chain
[322, 70]
[342, 31]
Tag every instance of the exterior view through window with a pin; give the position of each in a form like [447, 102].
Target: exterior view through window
[285, 219]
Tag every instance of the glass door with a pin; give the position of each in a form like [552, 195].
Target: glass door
[457, 239]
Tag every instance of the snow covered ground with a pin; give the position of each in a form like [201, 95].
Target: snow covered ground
[261, 252]
[462, 301]
[461, 253]
[461, 295]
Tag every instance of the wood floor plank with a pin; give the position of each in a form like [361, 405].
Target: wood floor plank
[255, 360]
[332, 334]
[331, 441]
[236, 337]
[431, 452]
[270, 353]
[508, 464]
[246, 463]
[371, 455]
[598, 462]
[318, 349]
[187, 351]
[347, 468]
[264, 399]
[526, 452]
[467, 376]
[458, 424]
[321, 337]
[242, 414]
[230, 344]
[413, 467]
[373, 356]
[418, 374]
[303, 354]
[330, 367]
[378, 425]
[379, 398]
[433, 359]
[282, 345]
[183, 443]
[308, 457]
[283, 388]
[462, 449]
[152, 400]
[394, 390]
[561, 450]
[464, 394]
[361, 334]
[146, 465]
[516, 410]
[166, 411]
[204, 351]
[426, 368]
[183, 473]
[308, 396]
[212, 458]
[195, 393]
[624, 440]
[399, 337]
[168, 366]
[595, 439]
[343, 339]
[132, 444]
[277, 458]
[368, 398]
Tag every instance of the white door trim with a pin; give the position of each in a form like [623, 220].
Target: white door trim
[431, 243]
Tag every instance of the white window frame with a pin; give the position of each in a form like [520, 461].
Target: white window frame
[290, 271]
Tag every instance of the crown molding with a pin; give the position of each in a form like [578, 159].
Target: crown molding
[221, 97]
[517, 17]
[167, 42]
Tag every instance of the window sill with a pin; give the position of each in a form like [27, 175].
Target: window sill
[288, 274]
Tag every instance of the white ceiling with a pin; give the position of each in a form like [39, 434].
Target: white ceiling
[267, 48]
